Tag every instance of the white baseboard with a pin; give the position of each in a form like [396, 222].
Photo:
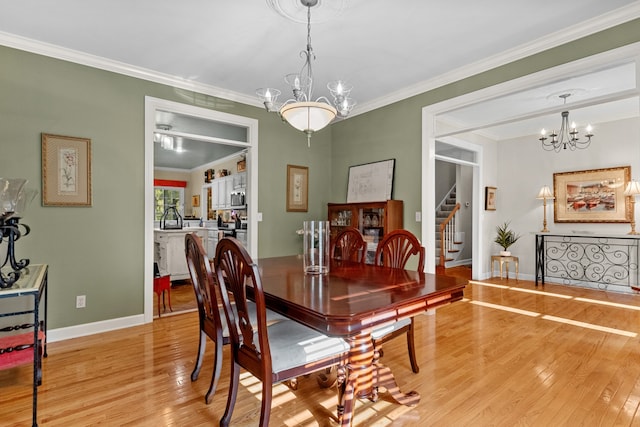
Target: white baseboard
[77, 331]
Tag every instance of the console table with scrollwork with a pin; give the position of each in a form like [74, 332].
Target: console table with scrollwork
[606, 262]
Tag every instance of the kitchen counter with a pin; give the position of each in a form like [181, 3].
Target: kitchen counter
[169, 250]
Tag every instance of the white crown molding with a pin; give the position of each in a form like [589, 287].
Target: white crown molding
[46, 49]
[583, 29]
[608, 20]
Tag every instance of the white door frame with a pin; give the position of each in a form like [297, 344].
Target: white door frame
[430, 133]
[151, 106]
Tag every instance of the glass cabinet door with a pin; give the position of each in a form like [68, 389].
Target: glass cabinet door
[371, 222]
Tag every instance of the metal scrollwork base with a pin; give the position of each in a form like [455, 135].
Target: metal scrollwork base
[607, 263]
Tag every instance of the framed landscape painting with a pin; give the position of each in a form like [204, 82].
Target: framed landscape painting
[595, 195]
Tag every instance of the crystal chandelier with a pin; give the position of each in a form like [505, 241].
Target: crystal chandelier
[567, 137]
[301, 111]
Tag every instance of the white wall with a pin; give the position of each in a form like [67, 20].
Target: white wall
[524, 167]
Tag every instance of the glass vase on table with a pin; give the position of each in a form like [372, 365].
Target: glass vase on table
[316, 247]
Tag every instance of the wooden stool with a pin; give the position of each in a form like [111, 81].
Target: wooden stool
[504, 260]
[161, 284]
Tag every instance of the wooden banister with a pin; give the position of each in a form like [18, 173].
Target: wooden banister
[447, 232]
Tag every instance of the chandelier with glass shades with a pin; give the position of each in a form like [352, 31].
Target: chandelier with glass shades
[301, 111]
[568, 136]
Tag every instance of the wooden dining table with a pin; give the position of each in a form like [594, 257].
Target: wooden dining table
[349, 302]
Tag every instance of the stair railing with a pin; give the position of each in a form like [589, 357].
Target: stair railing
[447, 234]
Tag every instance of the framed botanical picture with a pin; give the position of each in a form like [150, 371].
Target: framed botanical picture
[195, 201]
[297, 188]
[490, 198]
[595, 195]
[66, 171]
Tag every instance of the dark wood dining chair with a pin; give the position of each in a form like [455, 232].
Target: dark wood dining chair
[272, 352]
[394, 250]
[209, 312]
[349, 245]
[213, 323]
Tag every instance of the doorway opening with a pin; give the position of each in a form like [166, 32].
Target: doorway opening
[234, 134]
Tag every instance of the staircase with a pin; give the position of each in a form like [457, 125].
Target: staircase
[446, 215]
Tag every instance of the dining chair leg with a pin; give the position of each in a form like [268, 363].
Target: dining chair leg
[233, 392]
[267, 396]
[412, 348]
[215, 375]
[201, 348]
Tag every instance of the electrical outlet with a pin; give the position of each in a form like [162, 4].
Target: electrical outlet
[418, 216]
[81, 301]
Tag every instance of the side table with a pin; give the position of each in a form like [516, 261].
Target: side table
[504, 260]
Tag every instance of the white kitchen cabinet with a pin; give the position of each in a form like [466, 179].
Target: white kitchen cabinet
[169, 251]
[222, 188]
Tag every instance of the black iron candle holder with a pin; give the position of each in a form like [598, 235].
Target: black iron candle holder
[10, 232]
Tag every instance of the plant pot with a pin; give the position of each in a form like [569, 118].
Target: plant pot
[505, 253]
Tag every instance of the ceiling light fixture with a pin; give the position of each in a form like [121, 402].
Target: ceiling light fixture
[302, 112]
[166, 141]
[568, 136]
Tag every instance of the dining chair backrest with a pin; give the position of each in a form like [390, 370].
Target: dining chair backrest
[211, 318]
[235, 269]
[349, 245]
[397, 247]
[202, 279]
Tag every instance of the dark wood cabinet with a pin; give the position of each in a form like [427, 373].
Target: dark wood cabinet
[373, 219]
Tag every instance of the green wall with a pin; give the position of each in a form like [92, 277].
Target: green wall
[98, 251]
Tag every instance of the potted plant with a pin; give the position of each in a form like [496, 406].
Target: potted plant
[505, 238]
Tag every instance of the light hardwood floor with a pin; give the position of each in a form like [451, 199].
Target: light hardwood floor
[549, 363]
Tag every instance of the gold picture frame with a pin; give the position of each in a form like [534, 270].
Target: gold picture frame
[297, 188]
[195, 201]
[490, 198]
[595, 195]
[66, 171]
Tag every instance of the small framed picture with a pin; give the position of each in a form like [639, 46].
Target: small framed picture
[297, 188]
[195, 201]
[490, 198]
[66, 171]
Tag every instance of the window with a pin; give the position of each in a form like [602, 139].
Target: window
[165, 197]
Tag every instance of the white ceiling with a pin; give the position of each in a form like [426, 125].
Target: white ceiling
[387, 50]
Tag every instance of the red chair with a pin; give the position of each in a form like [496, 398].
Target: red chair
[160, 285]
[394, 250]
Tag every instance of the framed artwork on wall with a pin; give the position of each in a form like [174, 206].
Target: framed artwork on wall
[297, 188]
[490, 198]
[371, 182]
[595, 195]
[66, 171]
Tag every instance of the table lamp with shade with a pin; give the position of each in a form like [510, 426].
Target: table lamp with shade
[632, 190]
[544, 194]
